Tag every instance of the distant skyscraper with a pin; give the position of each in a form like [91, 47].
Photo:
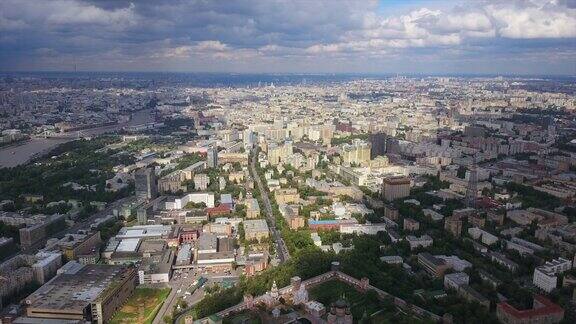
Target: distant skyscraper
[378, 141]
[212, 157]
[357, 152]
[472, 189]
[248, 138]
[196, 117]
[392, 145]
[146, 187]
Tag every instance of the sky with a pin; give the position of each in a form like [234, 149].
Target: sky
[505, 37]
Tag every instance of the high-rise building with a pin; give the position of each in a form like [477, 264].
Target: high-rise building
[146, 187]
[472, 189]
[248, 138]
[357, 152]
[378, 141]
[201, 181]
[212, 157]
[395, 188]
[279, 153]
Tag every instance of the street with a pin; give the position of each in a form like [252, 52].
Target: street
[83, 224]
[181, 284]
[283, 253]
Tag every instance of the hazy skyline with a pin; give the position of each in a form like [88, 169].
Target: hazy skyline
[436, 37]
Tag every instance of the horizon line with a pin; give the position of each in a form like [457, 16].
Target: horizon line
[298, 73]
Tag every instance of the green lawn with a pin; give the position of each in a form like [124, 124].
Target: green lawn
[141, 307]
[245, 317]
[364, 306]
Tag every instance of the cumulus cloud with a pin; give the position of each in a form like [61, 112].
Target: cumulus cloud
[285, 34]
[207, 49]
[52, 13]
[532, 21]
[426, 27]
[211, 46]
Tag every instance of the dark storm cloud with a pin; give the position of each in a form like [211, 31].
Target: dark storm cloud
[275, 35]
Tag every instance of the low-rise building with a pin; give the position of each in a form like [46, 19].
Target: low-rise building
[218, 228]
[411, 224]
[432, 265]
[236, 177]
[252, 208]
[217, 260]
[391, 212]
[83, 292]
[286, 196]
[455, 280]
[291, 215]
[545, 275]
[184, 256]
[368, 228]
[454, 262]
[207, 243]
[329, 224]
[315, 308]
[471, 295]
[485, 237]
[73, 245]
[416, 242]
[434, 215]
[206, 198]
[544, 311]
[503, 261]
[392, 259]
[157, 268]
[488, 278]
[256, 229]
[255, 263]
[453, 225]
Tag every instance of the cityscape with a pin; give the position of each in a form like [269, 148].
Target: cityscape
[219, 183]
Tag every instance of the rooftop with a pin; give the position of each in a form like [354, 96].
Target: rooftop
[128, 245]
[542, 307]
[144, 231]
[75, 290]
[255, 225]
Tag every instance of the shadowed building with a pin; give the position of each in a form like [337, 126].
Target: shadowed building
[378, 141]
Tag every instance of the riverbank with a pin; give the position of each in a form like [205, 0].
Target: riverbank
[12, 156]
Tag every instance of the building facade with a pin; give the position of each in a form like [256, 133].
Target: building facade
[395, 188]
[146, 185]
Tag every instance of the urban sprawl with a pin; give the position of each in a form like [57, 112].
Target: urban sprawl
[365, 200]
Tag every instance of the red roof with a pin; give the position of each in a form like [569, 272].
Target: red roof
[547, 308]
[219, 210]
[487, 202]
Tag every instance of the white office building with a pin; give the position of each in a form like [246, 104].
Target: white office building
[455, 280]
[545, 275]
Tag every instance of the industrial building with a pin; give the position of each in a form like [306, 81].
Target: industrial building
[83, 292]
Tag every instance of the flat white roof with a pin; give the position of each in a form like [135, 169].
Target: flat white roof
[143, 231]
[128, 245]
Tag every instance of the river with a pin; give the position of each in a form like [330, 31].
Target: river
[12, 156]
